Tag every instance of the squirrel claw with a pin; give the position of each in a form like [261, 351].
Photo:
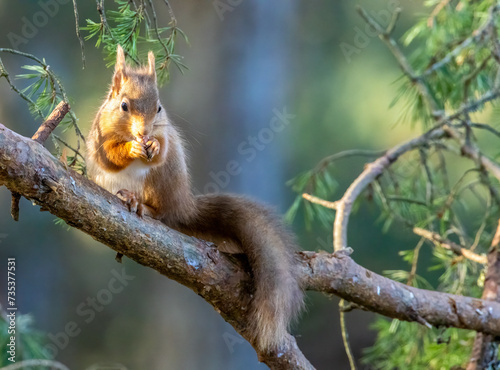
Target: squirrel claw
[131, 201]
[152, 147]
[138, 150]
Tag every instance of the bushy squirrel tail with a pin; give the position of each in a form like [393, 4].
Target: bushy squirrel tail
[270, 249]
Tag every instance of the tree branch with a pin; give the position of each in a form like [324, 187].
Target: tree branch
[51, 122]
[29, 169]
[40, 136]
[341, 276]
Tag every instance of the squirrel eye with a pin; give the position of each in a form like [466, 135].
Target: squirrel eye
[159, 109]
[124, 107]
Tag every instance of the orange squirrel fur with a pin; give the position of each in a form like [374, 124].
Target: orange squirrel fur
[133, 150]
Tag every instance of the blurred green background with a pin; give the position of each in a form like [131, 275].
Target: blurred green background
[313, 59]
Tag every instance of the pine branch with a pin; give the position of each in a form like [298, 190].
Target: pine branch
[371, 172]
[485, 350]
[321, 202]
[155, 20]
[5, 74]
[325, 162]
[173, 20]
[80, 38]
[402, 61]
[75, 150]
[54, 80]
[106, 27]
[477, 36]
[447, 244]
[472, 152]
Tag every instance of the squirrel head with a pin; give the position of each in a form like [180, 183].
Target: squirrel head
[133, 106]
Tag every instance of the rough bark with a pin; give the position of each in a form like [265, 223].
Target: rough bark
[28, 168]
[340, 275]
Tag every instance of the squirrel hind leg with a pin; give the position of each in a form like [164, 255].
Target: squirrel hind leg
[131, 200]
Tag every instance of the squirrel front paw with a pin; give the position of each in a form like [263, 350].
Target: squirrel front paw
[152, 147]
[131, 201]
[138, 150]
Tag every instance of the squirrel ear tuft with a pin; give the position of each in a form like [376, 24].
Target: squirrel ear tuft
[152, 65]
[120, 71]
[120, 59]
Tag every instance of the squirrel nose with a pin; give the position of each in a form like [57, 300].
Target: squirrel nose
[139, 129]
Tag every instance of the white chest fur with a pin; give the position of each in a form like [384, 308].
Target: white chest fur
[131, 178]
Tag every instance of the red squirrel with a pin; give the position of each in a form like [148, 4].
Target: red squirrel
[134, 151]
